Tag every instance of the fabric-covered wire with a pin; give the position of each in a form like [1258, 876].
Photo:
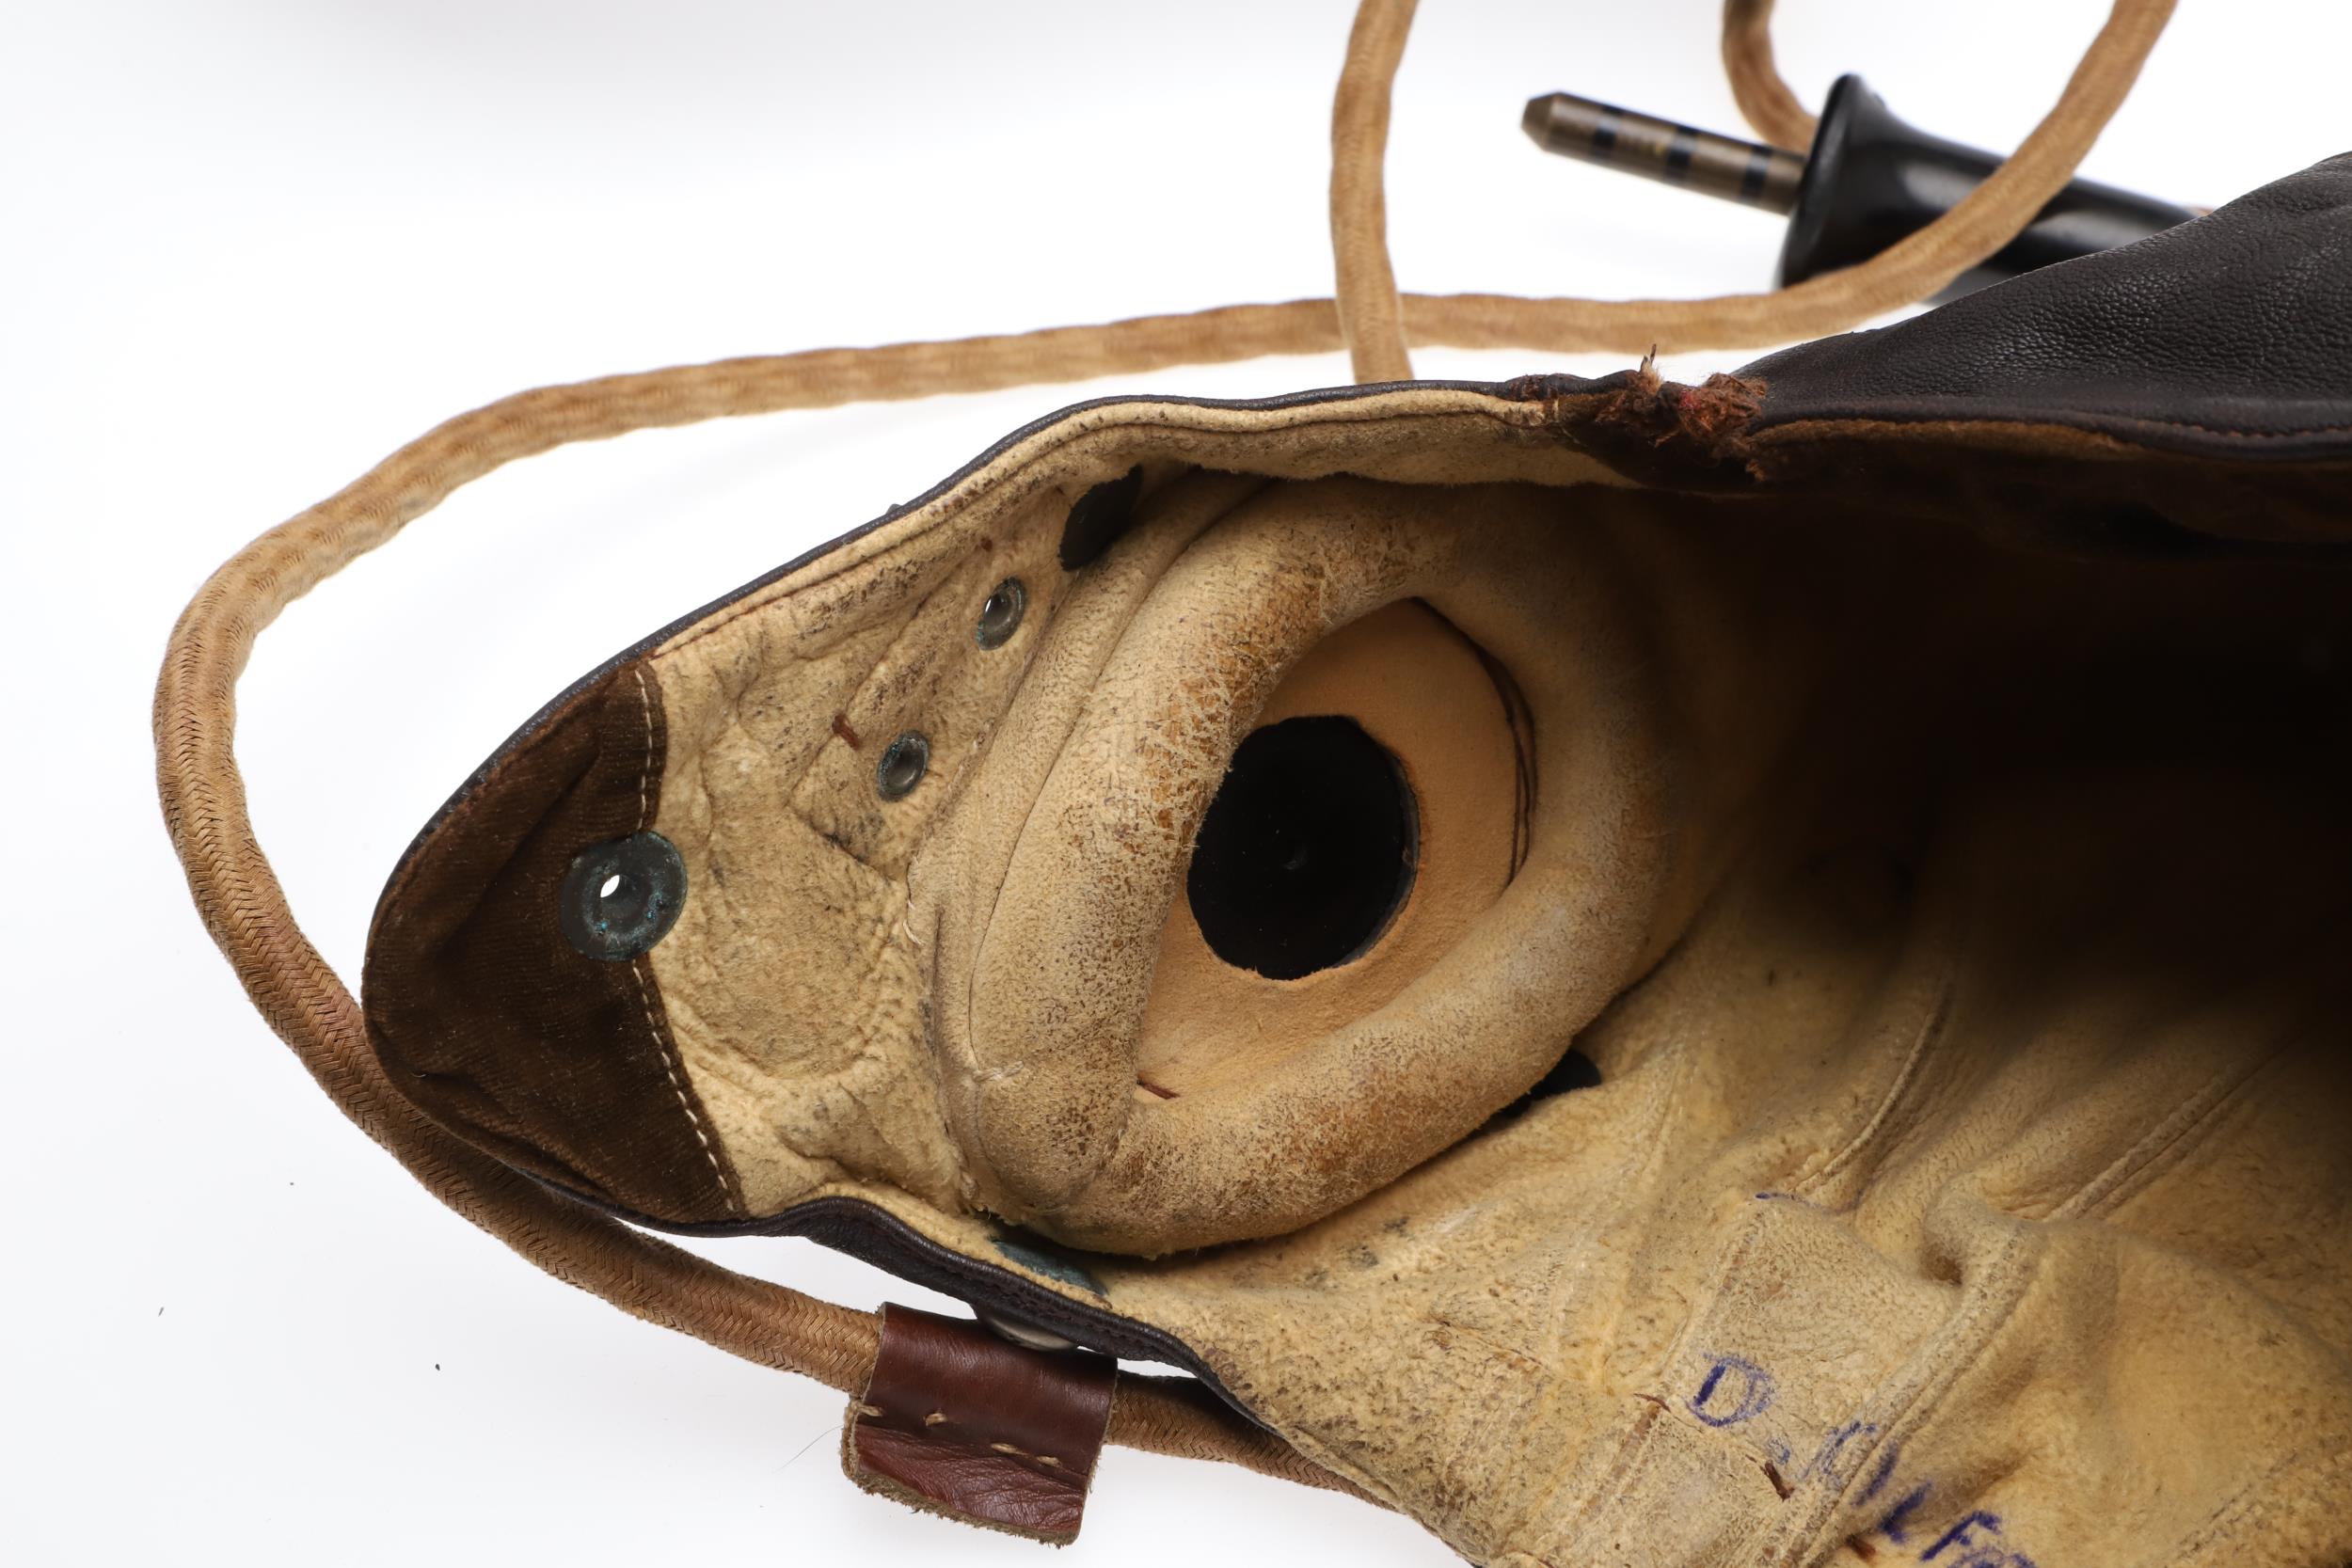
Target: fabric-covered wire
[1989, 216]
[1757, 87]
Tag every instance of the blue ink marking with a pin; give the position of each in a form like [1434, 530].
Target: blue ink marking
[1824, 1461]
[1736, 1389]
[1886, 1472]
[1963, 1535]
[1755, 1392]
[1892, 1525]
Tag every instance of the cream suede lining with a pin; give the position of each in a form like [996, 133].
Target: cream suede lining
[1967, 1182]
[795, 982]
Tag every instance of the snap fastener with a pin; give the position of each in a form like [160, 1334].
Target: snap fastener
[1019, 1331]
[904, 763]
[620, 898]
[1000, 613]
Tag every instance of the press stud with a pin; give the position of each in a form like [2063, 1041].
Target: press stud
[1019, 1331]
[1000, 613]
[902, 766]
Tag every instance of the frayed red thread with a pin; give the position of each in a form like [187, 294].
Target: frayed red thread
[1667, 410]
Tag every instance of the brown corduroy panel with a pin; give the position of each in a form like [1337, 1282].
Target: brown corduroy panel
[487, 1017]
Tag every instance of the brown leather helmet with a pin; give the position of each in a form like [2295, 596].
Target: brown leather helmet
[1693, 973]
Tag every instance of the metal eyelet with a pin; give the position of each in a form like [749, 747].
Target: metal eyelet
[1000, 614]
[904, 761]
[620, 898]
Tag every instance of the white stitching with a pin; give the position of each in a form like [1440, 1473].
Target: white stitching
[645, 996]
[644, 773]
[669, 1066]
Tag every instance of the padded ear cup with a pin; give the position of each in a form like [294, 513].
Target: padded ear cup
[1376, 811]
[1109, 1080]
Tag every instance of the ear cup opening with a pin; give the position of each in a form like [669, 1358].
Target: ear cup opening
[1113, 1079]
[1307, 851]
[1360, 830]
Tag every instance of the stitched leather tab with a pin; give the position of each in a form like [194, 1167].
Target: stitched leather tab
[958, 1421]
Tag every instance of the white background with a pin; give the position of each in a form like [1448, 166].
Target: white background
[246, 248]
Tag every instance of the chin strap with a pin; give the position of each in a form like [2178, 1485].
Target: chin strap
[244, 907]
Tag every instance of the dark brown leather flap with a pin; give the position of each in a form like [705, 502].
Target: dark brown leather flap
[958, 1421]
[2227, 337]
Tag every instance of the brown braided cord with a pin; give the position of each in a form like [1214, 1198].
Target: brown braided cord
[1757, 85]
[244, 907]
[1372, 316]
[1179, 1417]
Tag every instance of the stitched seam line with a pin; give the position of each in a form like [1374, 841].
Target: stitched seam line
[2139, 422]
[1601, 1493]
[645, 771]
[1013, 478]
[1654, 1151]
[1941, 1361]
[1931, 1032]
[2258, 1505]
[669, 1068]
[2168, 1143]
[2171, 1140]
[1966, 1344]
[637, 973]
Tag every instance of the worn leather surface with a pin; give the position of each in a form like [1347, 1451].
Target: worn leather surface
[463, 925]
[2229, 335]
[960, 1421]
[1934, 843]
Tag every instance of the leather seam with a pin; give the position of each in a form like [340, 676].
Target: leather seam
[1796, 422]
[952, 504]
[637, 971]
[669, 1070]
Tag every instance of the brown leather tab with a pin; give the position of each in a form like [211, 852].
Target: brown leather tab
[958, 1421]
